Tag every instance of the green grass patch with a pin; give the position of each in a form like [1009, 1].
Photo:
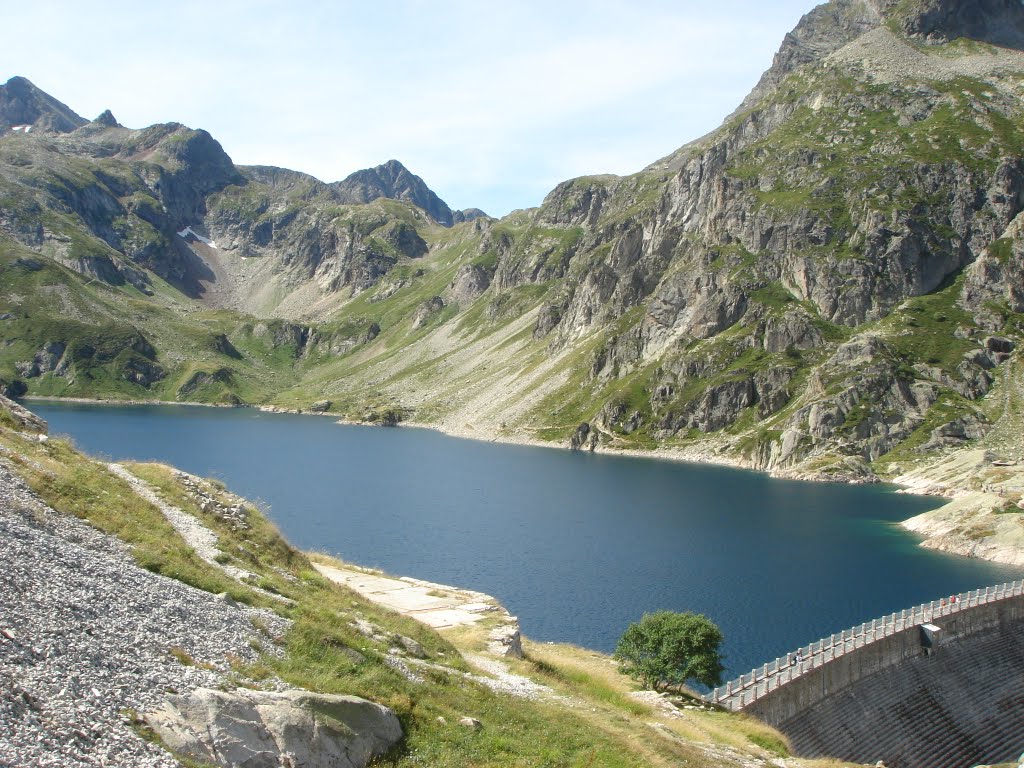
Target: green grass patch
[932, 320]
[1002, 249]
[775, 297]
[771, 743]
[579, 682]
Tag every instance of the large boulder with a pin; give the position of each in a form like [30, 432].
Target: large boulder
[265, 729]
[506, 641]
[470, 281]
[24, 418]
[584, 438]
[425, 311]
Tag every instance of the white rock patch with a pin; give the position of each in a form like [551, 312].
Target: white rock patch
[188, 232]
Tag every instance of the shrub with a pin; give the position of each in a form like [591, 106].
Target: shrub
[667, 648]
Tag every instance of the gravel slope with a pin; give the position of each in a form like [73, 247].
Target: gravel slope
[85, 635]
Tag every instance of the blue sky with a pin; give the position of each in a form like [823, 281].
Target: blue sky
[492, 104]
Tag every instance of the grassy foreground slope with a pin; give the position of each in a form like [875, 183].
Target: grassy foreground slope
[589, 718]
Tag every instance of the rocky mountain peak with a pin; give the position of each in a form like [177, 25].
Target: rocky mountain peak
[1000, 22]
[469, 214]
[22, 103]
[821, 31]
[394, 181]
[830, 26]
[107, 119]
[394, 169]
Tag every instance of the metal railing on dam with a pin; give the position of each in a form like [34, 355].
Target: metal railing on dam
[745, 690]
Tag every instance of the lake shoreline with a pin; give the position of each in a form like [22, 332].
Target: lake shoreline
[939, 527]
[677, 455]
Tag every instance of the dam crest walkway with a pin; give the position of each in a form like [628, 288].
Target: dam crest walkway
[748, 689]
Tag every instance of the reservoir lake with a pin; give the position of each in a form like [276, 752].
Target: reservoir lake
[576, 545]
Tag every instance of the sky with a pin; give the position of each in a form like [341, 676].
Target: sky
[492, 104]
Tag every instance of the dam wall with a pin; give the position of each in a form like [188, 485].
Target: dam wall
[940, 685]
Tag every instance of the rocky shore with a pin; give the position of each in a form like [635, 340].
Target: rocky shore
[983, 516]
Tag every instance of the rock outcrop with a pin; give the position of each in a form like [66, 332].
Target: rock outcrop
[470, 282]
[394, 181]
[24, 418]
[262, 729]
[584, 438]
[427, 310]
[506, 641]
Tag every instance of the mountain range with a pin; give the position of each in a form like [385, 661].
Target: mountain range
[830, 284]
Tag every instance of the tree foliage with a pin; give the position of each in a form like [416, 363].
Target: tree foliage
[667, 648]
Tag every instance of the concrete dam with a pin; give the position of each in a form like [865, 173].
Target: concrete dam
[940, 685]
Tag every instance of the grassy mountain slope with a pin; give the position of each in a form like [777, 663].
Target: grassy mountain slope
[831, 276]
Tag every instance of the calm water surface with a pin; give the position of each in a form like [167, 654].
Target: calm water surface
[576, 545]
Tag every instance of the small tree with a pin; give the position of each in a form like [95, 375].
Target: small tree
[667, 648]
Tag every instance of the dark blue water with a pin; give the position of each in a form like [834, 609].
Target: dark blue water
[576, 545]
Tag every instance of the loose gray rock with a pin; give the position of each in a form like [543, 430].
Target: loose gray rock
[410, 646]
[88, 635]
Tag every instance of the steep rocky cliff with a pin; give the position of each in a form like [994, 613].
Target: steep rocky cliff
[815, 265]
